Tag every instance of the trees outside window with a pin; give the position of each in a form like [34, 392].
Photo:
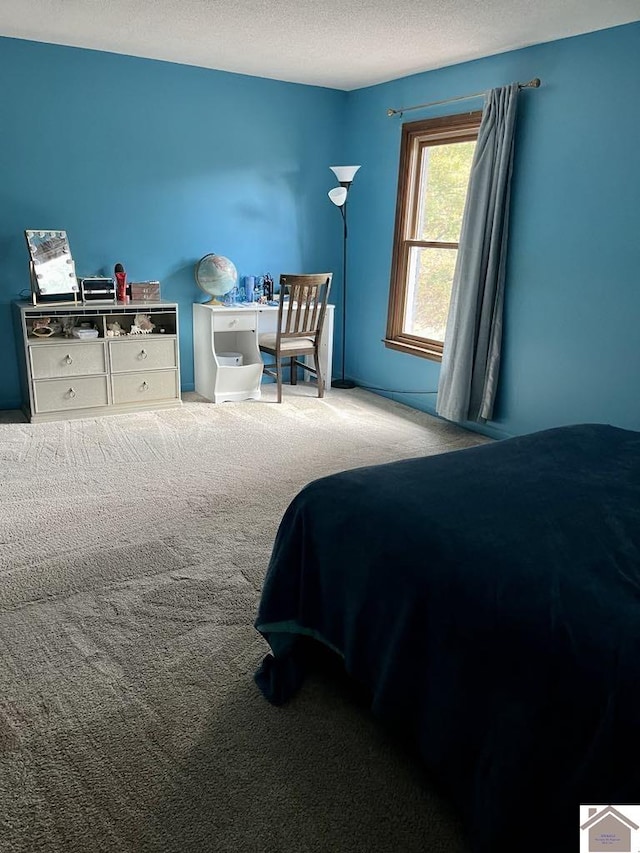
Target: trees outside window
[435, 165]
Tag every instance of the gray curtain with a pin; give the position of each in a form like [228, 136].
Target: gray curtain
[471, 356]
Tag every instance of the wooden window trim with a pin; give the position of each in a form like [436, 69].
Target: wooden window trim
[415, 137]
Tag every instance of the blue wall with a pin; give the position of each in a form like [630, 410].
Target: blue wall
[572, 338]
[153, 165]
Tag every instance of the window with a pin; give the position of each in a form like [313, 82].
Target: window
[435, 164]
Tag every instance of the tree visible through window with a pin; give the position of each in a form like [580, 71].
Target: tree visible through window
[435, 164]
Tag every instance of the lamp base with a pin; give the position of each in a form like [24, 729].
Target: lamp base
[342, 383]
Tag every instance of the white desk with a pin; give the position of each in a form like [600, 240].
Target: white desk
[218, 329]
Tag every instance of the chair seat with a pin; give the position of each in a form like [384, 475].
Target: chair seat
[293, 345]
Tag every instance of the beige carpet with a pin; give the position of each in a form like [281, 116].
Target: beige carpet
[132, 551]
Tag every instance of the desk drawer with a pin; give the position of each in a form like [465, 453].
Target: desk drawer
[58, 395]
[49, 361]
[235, 322]
[142, 354]
[146, 387]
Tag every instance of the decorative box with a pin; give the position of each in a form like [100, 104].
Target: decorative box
[145, 291]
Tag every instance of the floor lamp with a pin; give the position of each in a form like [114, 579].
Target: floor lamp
[338, 195]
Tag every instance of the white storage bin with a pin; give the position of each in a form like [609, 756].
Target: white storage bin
[229, 359]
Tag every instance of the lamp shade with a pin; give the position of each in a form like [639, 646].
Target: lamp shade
[338, 196]
[344, 174]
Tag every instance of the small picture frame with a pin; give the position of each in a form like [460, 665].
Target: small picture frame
[51, 265]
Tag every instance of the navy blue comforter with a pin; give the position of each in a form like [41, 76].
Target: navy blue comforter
[489, 601]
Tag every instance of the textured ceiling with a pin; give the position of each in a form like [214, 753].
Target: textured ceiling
[342, 44]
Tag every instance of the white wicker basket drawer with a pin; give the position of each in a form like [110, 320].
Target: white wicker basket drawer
[48, 361]
[58, 395]
[142, 354]
[235, 322]
[144, 388]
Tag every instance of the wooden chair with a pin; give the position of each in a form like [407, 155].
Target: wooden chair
[299, 327]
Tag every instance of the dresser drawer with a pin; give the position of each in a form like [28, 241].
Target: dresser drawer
[58, 395]
[146, 387]
[142, 354]
[49, 361]
[235, 322]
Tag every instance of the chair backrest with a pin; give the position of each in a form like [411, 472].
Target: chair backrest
[307, 304]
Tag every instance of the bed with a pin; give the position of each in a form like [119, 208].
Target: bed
[488, 599]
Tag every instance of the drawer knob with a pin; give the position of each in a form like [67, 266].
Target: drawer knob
[68, 359]
[143, 354]
[71, 393]
[145, 386]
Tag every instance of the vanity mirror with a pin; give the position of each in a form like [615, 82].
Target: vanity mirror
[51, 267]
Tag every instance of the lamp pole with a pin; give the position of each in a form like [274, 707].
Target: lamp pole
[338, 196]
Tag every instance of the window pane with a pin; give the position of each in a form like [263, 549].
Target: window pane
[444, 178]
[430, 275]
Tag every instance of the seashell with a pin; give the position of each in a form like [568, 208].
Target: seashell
[44, 327]
[42, 331]
[143, 322]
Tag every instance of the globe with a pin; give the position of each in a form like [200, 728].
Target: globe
[216, 276]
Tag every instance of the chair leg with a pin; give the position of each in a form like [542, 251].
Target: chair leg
[279, 377]
[293, 371]
[319, 376]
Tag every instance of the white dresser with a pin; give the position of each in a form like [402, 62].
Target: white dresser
[65, 377]
[218, 329]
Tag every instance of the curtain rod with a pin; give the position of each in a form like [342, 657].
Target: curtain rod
[532, 84]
